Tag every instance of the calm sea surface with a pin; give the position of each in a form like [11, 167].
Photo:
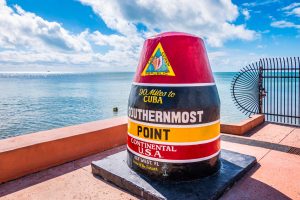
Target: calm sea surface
[35, 102]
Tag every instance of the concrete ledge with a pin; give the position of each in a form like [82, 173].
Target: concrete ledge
[30, 153]
[244, 126]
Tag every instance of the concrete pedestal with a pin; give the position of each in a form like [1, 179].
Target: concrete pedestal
[114, 169]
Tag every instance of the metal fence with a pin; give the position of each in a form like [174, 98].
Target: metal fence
[270, 86]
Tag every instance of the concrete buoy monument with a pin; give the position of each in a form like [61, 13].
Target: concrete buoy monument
[173, 135]
[174, 110]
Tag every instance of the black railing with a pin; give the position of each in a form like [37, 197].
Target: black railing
[245, 89]
[274, 91]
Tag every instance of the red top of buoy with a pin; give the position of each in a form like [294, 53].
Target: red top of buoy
[174, 58]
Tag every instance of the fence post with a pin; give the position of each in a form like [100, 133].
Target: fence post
[261, 92]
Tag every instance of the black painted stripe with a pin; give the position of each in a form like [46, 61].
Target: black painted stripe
[186, 99]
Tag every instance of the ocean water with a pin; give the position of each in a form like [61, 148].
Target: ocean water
[35, 102]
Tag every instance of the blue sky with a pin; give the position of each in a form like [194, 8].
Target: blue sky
[99, 35]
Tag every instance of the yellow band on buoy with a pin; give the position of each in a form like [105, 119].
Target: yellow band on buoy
[173, 133]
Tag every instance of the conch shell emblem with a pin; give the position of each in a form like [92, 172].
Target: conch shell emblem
[157, 63]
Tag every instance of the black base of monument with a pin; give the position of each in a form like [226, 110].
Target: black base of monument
[114, 169]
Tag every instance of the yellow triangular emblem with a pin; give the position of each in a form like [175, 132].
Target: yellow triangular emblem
[158, 64]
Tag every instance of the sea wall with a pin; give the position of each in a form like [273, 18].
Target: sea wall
[244, 126]
[33, 152]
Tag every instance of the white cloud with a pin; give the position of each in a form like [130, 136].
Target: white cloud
[29, 40]
[293, 5]
[295, 11]
[246, 14]
[284, 24]
[292, 9]
[20, 29]
[260, 46]
[232, 59]
[212, 20]
[260, 3]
